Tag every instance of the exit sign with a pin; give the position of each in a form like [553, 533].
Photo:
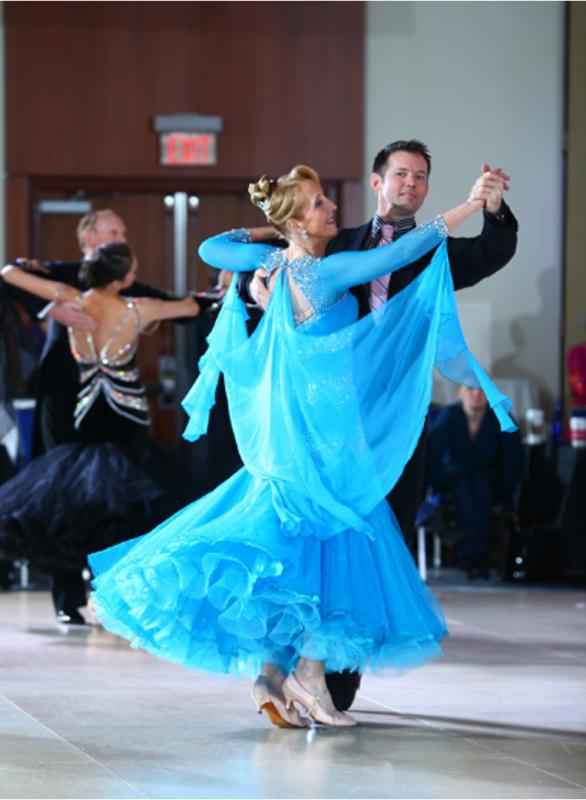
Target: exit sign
[188, 149]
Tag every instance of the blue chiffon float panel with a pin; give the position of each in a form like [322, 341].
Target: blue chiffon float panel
[218, 587]
[332, 419]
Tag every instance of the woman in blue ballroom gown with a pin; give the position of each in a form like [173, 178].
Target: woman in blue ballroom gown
[296, 565]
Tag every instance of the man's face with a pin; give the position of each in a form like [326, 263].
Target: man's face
[109, 228]
[473, 400]
[403, 187]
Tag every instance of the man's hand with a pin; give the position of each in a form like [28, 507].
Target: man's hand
[489, 188]
[258, 289]
[32, 265]
[68, 312]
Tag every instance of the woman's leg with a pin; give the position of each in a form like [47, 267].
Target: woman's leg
[273, 674]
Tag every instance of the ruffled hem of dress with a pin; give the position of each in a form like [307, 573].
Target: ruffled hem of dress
[225, 612]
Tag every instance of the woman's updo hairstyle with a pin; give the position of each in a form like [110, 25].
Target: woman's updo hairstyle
[282, 199]
[110, 262]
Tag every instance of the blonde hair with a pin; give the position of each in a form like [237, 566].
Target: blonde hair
[282, 199]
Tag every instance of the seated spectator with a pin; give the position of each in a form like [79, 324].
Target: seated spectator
[479, 466]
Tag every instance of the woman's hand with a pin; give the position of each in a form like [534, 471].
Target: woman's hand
[264, 234]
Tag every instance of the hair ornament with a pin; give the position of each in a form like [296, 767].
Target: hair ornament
[260, 194]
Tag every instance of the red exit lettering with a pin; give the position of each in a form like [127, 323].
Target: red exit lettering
[181, 149]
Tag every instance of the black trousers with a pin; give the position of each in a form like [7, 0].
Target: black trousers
[409, 491]
[68, 589]
[58, 384]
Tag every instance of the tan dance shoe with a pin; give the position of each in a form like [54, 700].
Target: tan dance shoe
[294, 691]
[270, 699]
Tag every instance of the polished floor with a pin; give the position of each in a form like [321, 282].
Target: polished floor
[503, 714]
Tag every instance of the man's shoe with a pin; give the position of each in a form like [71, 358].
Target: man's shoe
[70, 618]
[6, 574]
[343, 687]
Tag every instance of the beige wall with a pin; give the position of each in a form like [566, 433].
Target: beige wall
[483, 81]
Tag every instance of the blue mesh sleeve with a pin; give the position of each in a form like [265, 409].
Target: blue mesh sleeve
[233, 251]
[343, 270]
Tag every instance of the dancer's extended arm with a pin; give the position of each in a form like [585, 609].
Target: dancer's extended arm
[152, 310]
[226, 251]
[343, 270]
[46, 289]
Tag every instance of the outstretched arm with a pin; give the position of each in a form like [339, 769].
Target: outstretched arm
[239, 250]
[67, 312]
[151, 310]
[46, 289]
[343, 270]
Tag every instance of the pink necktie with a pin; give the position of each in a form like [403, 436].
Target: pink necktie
[379, 288]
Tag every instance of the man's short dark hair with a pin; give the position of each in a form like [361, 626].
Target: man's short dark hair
[406, 145]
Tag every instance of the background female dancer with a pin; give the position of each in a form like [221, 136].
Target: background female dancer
[114, 479]
[296, 565]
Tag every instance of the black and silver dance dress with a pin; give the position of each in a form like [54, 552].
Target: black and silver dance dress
[112, 484]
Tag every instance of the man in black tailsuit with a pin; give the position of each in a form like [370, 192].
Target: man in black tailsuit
[58, 380]
[400, 180]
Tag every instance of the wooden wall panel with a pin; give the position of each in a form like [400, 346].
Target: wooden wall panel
[19, 228]
[84, 81]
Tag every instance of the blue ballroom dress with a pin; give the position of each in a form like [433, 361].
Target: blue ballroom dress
[298, 553]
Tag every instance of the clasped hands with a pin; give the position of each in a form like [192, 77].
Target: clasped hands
[488, 189]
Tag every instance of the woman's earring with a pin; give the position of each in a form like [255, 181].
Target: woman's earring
[303, 233]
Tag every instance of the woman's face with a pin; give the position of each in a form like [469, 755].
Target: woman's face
[319, 213]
